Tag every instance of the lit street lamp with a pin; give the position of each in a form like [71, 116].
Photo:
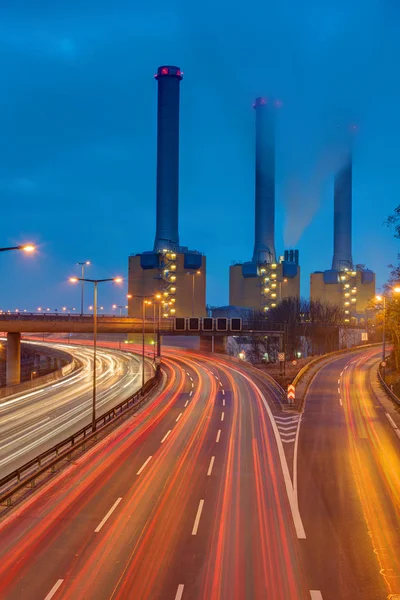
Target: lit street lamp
[24, 247]
[82, 279]
[382, 298]
[95, 284]
[121, 308]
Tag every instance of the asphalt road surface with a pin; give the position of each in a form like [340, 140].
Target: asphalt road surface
[37, 419]
[212, 492]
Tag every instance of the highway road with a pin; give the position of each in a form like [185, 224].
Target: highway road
[189, 499]
[349, 482]
[212, 492]
[37, 419]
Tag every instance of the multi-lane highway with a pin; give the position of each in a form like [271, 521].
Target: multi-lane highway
[35, 420]
[200, 496]
[349, 482]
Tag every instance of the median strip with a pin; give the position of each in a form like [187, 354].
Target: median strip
[197, 519]
[108, 515]
[144, 465]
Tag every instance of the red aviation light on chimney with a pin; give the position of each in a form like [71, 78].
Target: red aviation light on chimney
[164, 71]
[260, 102]
[168, 71]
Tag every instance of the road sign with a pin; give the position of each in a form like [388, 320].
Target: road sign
[364, 336]
[383, 363]
[294, 362]
[291, 393]
[281, 356]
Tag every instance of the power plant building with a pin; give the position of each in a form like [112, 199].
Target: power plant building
[170, 274]
[263, 282]
[349, 286]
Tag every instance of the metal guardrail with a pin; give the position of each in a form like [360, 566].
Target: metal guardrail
[47, 461]
[387, 389]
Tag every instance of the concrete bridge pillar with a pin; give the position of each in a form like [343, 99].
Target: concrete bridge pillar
[13, 359]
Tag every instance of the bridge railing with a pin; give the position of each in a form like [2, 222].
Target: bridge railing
[16, 482]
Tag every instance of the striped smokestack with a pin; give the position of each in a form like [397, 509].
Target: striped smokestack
[264, 243]
[167, 235]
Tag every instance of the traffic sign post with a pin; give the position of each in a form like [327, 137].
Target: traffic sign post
[291, 393]
[281, 356]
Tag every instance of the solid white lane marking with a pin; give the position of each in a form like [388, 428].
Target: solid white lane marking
[315, 595]
[210, 468]
[190, 393]
[340, 400]
[178, 417]
[165, 436]
[179, 592]
[54, 589]
[186, 403]
[290, 490]
[222, 416]
[144, 465]
[223, 402]
[197, 519]
[393, 424]
[218, 436]
[108, 515]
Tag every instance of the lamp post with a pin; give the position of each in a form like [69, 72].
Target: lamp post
[382, 298]
[24, 247]
[82, 279]
[121, 307]
[193, 274]
[95, 284]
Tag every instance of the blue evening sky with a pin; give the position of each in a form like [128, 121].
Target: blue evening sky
[78, 132]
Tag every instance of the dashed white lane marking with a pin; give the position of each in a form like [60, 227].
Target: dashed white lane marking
[346, 367]
[340, 400]
[191, 378]
[144, 465]
[223, 402]
[341, 373]
[315, 595]
[191, 393]
[192, 384]
[210, 468]
[197, 519]
[338, 390]
[218, 436]
[220, 383]
[165, 436]
[393, 424]
[397, 432]
[222, 416]
[223, 392]
[186, 403]
[338, 381]
[108, 515]
[179, 592]
[54, 589]
[178, 417]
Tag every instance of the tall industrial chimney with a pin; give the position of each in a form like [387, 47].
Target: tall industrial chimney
[167, 236]
[264, 244]
[342, 258]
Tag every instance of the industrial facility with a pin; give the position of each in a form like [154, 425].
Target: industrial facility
[352, 287]
[263, 282]
[170, 274]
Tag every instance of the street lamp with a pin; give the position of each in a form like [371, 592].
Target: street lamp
[82, 279]
[24, 247]
[95, 284]
[121, 307]
[193, 274]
